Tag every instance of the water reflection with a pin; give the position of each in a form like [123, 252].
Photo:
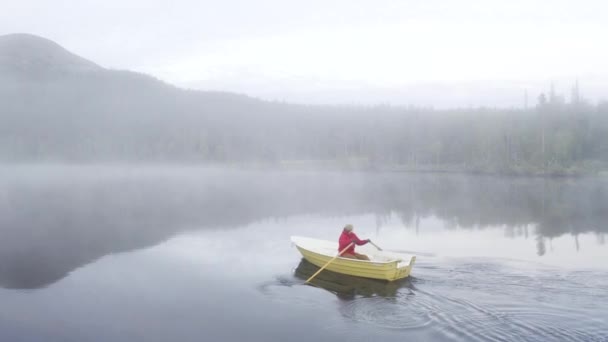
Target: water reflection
[55, 219]
[348, 287]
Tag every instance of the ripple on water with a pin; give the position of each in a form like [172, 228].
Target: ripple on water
[408, 312]
[473, 303]
[519, 309]
[376, 310]
[555, 323]
[293, 292]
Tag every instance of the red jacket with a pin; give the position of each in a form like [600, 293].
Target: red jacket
[346, 238]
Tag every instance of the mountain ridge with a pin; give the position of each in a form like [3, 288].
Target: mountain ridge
[24, 54]
[67, 110]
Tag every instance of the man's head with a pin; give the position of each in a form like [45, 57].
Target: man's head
[348, 227]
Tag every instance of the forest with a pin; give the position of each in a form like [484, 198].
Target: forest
[67, 109]
[145, 120]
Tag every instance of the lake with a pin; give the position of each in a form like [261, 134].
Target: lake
[160, 253]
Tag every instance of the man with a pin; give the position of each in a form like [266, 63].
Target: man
[346, 238]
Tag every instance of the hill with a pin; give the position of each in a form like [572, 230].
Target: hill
[33, 57]
[57, 106]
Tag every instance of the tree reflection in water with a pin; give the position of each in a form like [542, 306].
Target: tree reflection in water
[56, 219]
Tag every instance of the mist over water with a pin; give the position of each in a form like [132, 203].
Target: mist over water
[134, 207]
[151, 252]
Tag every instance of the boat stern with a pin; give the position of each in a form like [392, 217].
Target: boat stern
[404, 271]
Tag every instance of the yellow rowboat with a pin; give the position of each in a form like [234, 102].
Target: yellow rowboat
[382, 265]
[348, 287]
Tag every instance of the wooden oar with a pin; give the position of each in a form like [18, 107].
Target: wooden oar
[329, 262]
[373, 244]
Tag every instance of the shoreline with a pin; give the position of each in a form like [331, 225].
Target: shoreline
[320, 166]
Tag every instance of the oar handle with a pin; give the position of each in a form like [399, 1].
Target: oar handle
[329, 262]
[370, 241]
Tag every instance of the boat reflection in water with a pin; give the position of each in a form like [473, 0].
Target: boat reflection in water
[347, 286]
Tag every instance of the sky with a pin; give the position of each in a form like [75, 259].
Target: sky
[468, 52]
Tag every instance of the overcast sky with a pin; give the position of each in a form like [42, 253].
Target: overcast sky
[330, 50]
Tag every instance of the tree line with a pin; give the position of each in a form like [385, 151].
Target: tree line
[123, 116]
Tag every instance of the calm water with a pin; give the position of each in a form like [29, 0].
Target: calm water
[203, 254]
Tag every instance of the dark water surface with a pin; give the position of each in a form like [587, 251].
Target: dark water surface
[114, 253]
